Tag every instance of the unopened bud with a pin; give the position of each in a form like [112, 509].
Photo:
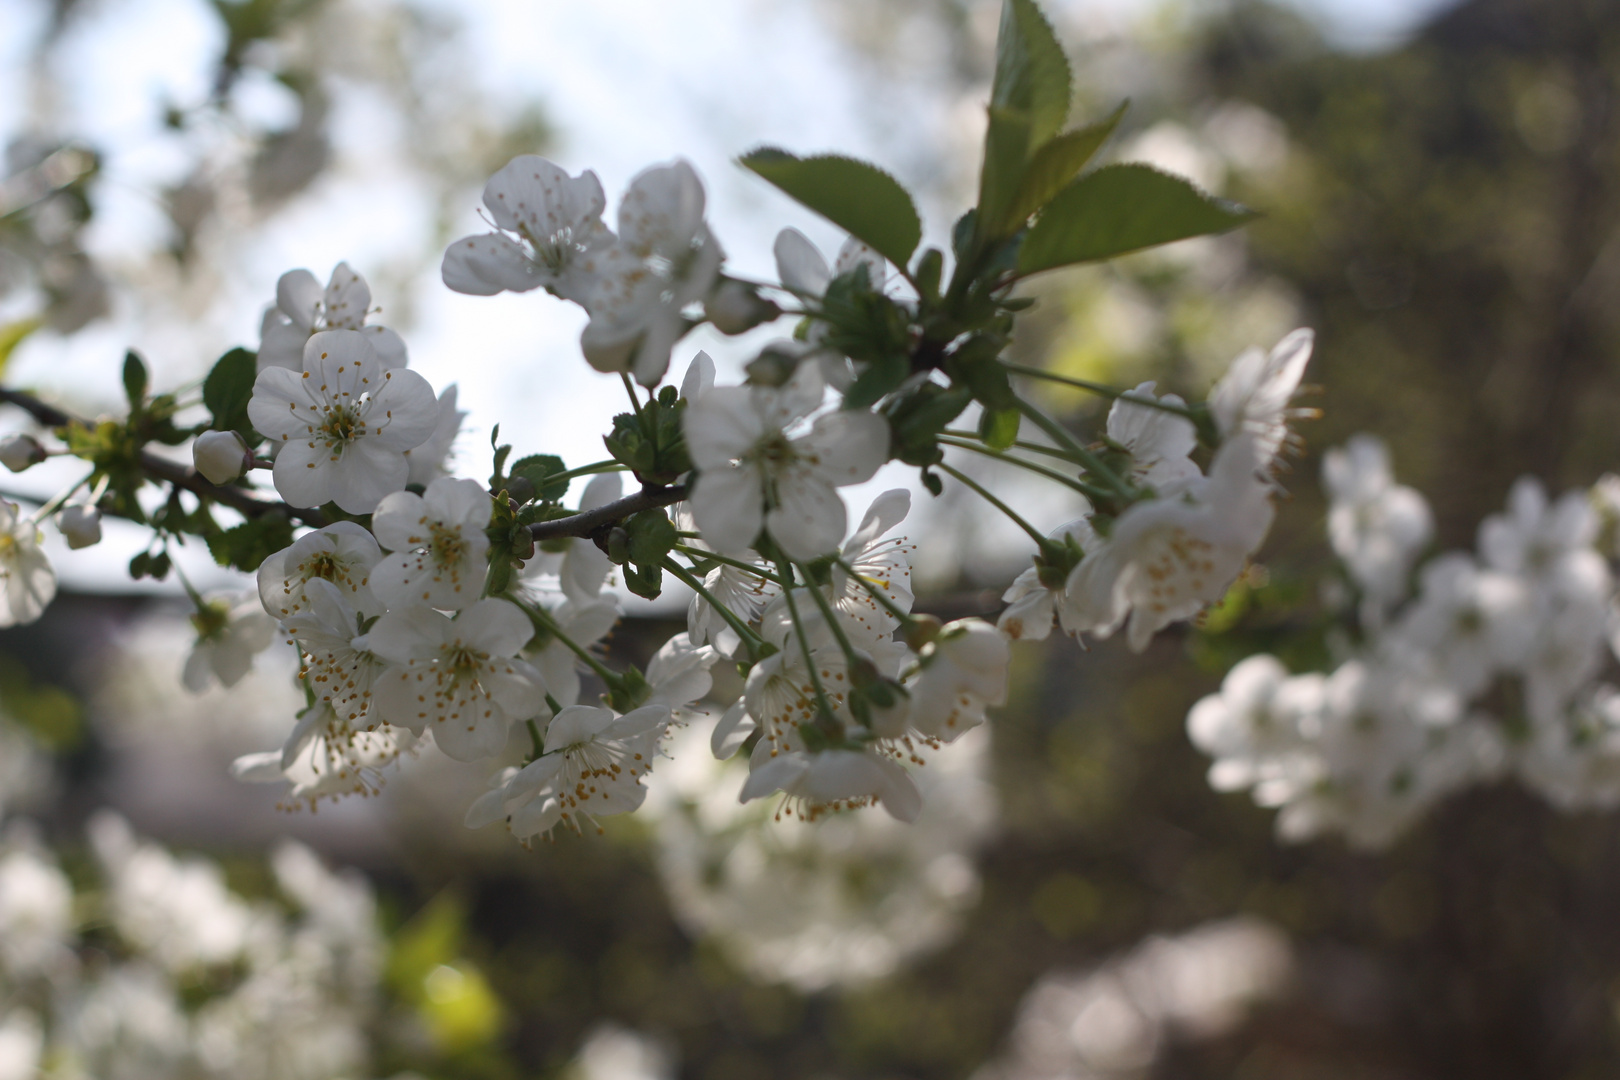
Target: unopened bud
[19, 452]
[736, 308]
[774, 366]
[221, 456]
[80, 526]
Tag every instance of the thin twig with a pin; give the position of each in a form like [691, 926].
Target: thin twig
[587, 523]
[170, 472]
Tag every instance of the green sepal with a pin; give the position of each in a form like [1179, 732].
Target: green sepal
[136, 380]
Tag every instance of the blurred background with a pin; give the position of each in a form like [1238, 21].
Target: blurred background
[1439, 198]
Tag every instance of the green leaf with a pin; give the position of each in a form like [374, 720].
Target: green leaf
[1006, 153]
[652, 536]
[536, 468]
[1119, 209]
[247, 545]
[880, 377]
[13, 334]
[1032, 74]
[860, 198]
[135, 380]
[999, 427]
[229, 388]
[1055, 164]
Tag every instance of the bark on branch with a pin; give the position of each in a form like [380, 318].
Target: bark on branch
[171, 472]
[586, 524]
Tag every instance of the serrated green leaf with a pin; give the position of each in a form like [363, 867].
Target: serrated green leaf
[860, 198]
[1119, 209]
[1032, 74]
[536, 468]
[247, 545]
[228, 389]
[135, 380]
[1006, 156]
[1056, 163]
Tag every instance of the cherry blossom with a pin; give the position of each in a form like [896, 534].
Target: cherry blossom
[343, 424]
[1254, 394]
[461, 679]
[342, 553]
[752, 474]
[27, 581]
[228, 637]
[303, 308]
[1159, 441]
[551, 234]
[438, 545]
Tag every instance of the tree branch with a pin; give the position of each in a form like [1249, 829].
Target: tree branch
[584, 524]
[171, 472]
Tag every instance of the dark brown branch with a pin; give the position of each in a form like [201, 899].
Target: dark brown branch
[170, 472]
[586, 524]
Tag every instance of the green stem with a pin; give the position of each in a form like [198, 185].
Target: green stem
[630, 388]
[804, 645]
[1110, 392]
[1049, 451]
[750, 639]
[1088, 490]
[541, 615]
[748, 567]
[827, 613]
[1040, 541]
[534, 737]
[55, 503]
[589, 470]
[1093, 463]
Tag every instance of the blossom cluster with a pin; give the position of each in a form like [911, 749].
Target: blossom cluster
[1453, 670]
[165, 972]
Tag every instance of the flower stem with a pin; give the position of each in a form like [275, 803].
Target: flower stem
[1110, 392]
[1040, 541]
[1088, 490]
[832, 622]
[697, 554]
[1093, 463]
[540, 615]
[630, 388]
[822, 699]
[589, 470]
[749, 638]
[1037, 448]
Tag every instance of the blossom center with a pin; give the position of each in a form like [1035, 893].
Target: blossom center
[342, 425]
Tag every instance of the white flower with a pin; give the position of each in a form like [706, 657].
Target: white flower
[302, 308]
[752, 474]
[1376, 526]
[1468, 623]
[879, 563]
[678, 674]
[831, 780]
[429, 461]
[342, 553]
[462, 678]
[228, 637]
[339, 666]
[326, 758]
[221, 456]
[438, 545]
[1534, 538]
[585, 622]
[960, 673]
[27, 582]
[1166, 558]
[1159, 441]
[1573, 759]
[1255, 729]
[1031, 604]
[1572, 613]
[803, 270]
[742, 593]
[592, 767]
[36, 911]
[551, 235]
[343, 423]
[80, 525]
[665, 260]
[1254, 393]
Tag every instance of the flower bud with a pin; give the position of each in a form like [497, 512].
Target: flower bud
[921, 630]
[774, 365]
[736, 308]
[80, 525]
[221, 456]
[19, 452]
